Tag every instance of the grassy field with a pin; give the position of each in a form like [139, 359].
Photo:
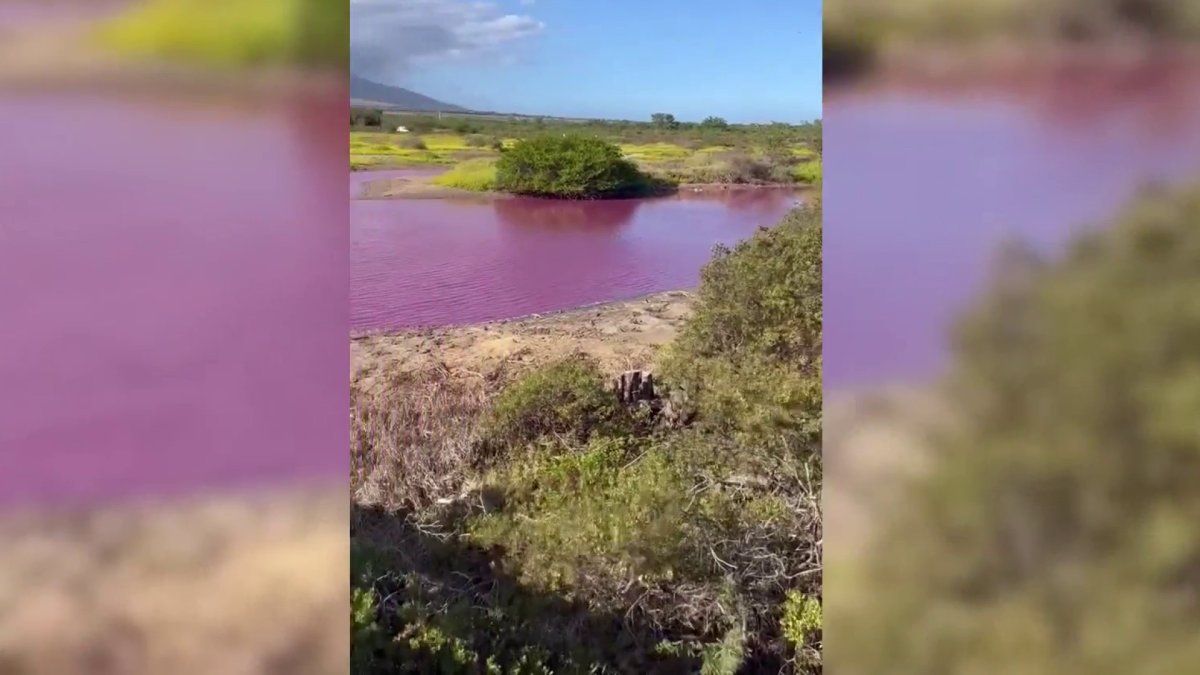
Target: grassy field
[738, 154]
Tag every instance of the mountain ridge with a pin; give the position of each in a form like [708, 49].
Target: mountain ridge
[369, 92]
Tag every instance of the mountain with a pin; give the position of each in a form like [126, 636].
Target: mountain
[367, 92]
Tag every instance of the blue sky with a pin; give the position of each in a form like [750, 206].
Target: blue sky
[747, 62]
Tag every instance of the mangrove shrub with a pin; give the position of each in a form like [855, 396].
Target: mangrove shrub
[570, 166]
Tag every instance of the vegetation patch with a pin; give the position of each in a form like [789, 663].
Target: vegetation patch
[808, 172]
[227, 33]
[569, 398]
[682, 153]
[536, 523]
[570, 166]
[477, 175]
[1062, 505]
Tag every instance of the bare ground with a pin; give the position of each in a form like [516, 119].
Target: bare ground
[620, 335]
[875, 441]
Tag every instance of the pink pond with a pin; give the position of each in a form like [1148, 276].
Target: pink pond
[925, 184]
[435, 262]
[173, 288]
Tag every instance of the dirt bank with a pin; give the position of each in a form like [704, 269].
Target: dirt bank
[621, 335]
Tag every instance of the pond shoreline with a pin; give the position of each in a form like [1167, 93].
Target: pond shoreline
[620, 334]
[1004, 64]
[423, 188]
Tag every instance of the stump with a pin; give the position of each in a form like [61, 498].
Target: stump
[635, 386]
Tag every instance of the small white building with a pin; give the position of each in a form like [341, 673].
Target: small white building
[402, 130]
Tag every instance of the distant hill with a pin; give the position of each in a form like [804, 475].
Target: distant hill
[366, 92]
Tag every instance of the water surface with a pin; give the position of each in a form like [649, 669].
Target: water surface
[425, 262]
[925, 184]
[173, 295]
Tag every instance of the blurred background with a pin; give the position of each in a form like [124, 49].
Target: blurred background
[173, 270]
[1012, 294]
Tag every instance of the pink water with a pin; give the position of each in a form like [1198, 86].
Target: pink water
[433, 262]
[173, 291]
[924, 185]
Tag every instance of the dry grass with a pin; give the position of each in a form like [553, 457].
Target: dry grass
[235, 584]
[417, 396]
[412, 441]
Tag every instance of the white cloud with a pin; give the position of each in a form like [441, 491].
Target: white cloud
[389, 37]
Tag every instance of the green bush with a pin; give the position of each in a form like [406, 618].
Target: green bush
[574, 517]
[569, 166]
[1058, 531]
[750, 357]
[762, 297]
[568, 398]
[802, 619]
[808, 172]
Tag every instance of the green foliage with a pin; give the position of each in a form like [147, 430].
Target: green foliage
[750, 358]
[686, 153]
[808, 172]
[764, 296]
[714, 123]
[610, 509]
[567, 398]
[569, 166]
[664, 121]
[802, 618]
[1059, 531]
[727, 656]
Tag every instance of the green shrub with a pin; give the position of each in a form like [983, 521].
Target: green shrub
[750, 357]
[762, 297]
[568, 398]
[802, 618]
[569, 166]
[808, 172]
[574, 517]
[1057, 533]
